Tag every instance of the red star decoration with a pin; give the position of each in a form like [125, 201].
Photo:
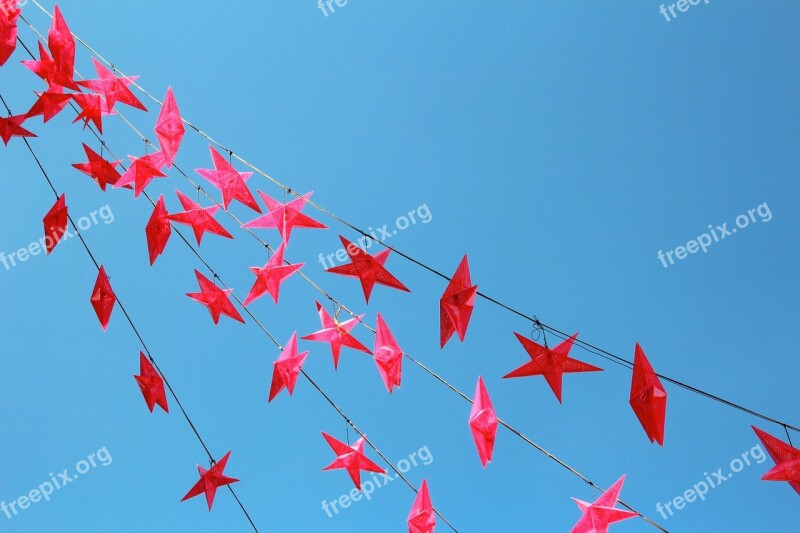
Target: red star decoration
[271, 276]
[648, 397]
[112, 88]
[369, 269]
[151, 384]
[287, 368]
[337, 334]
[101, 171]
[142, 171]
[91, 110]
[228, 180]
[169, 128]
[599, 515]
[8, 31]
[215, 299]
[62, 46]
[210, 480]
[352, 459]
[158, 230]
[483, 423]
[201, 219]
[552, 364]
[50, 103]
[103, 298]
[786, 457]
[55, 223]
[12, 127]
[45, 67]
[456, 304]
[422, 518]
[285, 217]
[388, 355]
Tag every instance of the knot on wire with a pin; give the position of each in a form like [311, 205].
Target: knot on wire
[538, 330]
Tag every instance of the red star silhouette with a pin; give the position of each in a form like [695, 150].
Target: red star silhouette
[215, 299]
[599, 515]
[142, 171]
[287, 368]
[101, 171]
[351, 458]
[786, 457]
[271, 276]
[50, 103]
[337, 334]
[158, 230]
[103, 298]
[552, 364]
[151, 384]
[201, 219]
[12, 127]
[648, 397]
[45, 67]
[388, 355]
[369, 269]
[456, 304]
[169, 128]
[62, 46]
[228, 180]
[210, 480]
[285, 217]
[91, 110]
[55, 223]
[112, 88]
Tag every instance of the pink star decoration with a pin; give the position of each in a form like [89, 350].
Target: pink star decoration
[228, 180]
[215, 299]
[388, 355]
[270, 277]
[483, 423]
[210, 480]
[337, 334]
[352, 459]
[367, 268]
[422, 518]
[786, 457]
[103, 298]
[285, 217]
[151, 384]
[456, 304]
[287, 368]
[599, 515]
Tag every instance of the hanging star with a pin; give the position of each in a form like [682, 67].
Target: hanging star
[8, 31]
[285, 217]
[210, 480]
[552, 364]
[367, 268]
[55, 223]
[12, 127]
[169, 128]
[215, 299]
[142, 171]
[648, 397]
[352, 459]
[113, 89]
[101, 171]
[103, 298]
[786, 457]
[287, 368]
[599, 515]
[62, 46]
[229, 181]
[151, 384]
[337, 334]
[201, 219]
[271, 276]
[422, 518]
[388, 355]
[49, 103]
[483, 422]
[456, 304]
[44, 67]
[158, 230]
[91, 110]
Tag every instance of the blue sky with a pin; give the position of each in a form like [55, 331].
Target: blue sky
[560, 146]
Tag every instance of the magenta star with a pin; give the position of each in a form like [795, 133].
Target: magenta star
[228, 180]
[215, 299]
[287, 368]
[351, 458]
[285, 217]
[201, 219]
[271, 276]
[337, 334]
[101, 171]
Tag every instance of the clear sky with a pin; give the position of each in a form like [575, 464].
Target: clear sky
[561, 145]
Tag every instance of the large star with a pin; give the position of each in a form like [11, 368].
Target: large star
[456, 304]
[158, 230]
[151, 384]
[101, 171]
[103, 298]
[62, 46]
[229, 181]
[422, 518]
[112, 88]
[91, 110]
[599, 515]
[201, 219]
[169, 128]
[367, 268]
[786, 457]
[210, 480]
[142, 171]
[287, 368]
[351, 458]
[337, 334]
[55, 223]
[483, 423]
[285, 217]
[215, 299]
[49, 103]
[552, 364]
[270, 277]
[44, 67]
[12, 127]
[648, 397]
[388, 355]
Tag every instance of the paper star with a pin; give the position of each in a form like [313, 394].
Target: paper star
[103, 298]
[271, 276]
[351, 458]
[483, 423]
[369, 269]
[50, 103]
[142, 171]
[112, 88]
[456, 304]
[158, 230]
[552, 364]
[55, 223]
[169, 128]
[215, 299]
[388, 355]
[422, 518]
[337, 334]
[599, 515]
[648, 397]
[62, 46]
[285, 217]
[91, 110]
[786, 457]
[8, 31]
[45, 67]
[229, 181]
[287, 368]
[12, 127]
[201, 219]
[210, 480]
[101, 171]
[151, 384]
